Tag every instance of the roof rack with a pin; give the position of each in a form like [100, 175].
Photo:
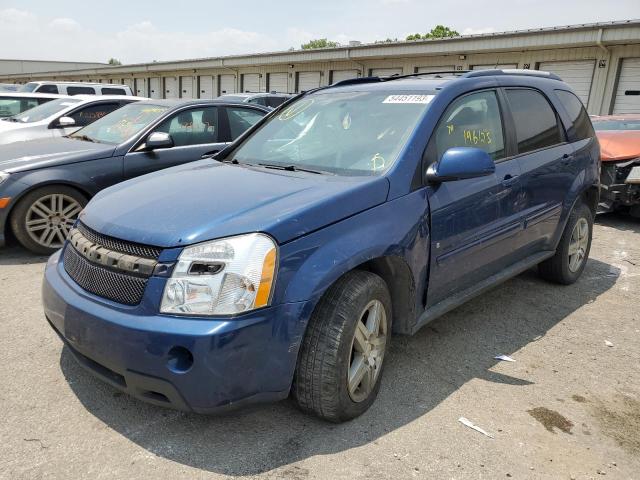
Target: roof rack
[353, 81]
[512, 71]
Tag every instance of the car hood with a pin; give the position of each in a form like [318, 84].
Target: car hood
[618, 145]
[205, 200]
[8, 126]
[48, 152]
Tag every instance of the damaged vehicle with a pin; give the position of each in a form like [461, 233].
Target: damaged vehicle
[284, 264]
[619, 137]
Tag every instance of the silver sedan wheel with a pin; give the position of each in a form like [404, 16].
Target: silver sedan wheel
[578, 244]
[50, 218]
[367, 351]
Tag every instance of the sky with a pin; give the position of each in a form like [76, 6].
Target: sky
[143, 31]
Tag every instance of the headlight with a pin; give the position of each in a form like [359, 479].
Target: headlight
[3, 176]
[222, 277]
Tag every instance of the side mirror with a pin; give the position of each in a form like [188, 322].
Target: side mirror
[459, 163]
[159, 140]
[66, 122]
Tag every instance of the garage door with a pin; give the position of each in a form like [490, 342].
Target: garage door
[577, 75]
[340, 75]
[308, 81]
[155, 87]
[251, 82]
[278, 82]
[187, 86]
[206, 87]
[227, 84]
[171, 87]
[129, 83]
[140, 87]
[627, 98]
[498, 66]
[385, 72]
[443, 68]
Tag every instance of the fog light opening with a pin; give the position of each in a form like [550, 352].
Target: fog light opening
[180, 359]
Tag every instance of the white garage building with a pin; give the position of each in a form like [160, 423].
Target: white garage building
[600, 61]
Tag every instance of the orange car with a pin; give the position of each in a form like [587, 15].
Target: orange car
[619, 137]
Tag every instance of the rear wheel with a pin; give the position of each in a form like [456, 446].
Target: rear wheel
[341, 358]
[567, 264]
[43, 218]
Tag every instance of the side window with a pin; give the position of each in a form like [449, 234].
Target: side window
[579, 116]
[275, 101]
[535, 121]
[90, 114]
[473, 120]
[81, 91]
[258, 101]
[192, 127]
[112, 91]
[43, 100]
[47, 89]
[241, 119]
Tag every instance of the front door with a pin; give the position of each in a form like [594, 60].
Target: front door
[473, 221]
[195, 132]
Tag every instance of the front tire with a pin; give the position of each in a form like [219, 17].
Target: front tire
[342, 355]
[42, 219]
[571, 256]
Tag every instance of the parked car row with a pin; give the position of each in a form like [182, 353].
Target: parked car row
[285, 247]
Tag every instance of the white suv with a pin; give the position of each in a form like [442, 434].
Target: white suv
[77, 88]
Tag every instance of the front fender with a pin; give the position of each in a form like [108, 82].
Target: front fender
[398, 228]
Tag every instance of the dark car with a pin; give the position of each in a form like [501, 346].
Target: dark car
[45, 183]
[359, 210]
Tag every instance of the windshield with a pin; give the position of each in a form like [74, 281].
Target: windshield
[348, 133]
[12, 106]
[28, 87]
[45, 110]
[631, 124]
[121, 124]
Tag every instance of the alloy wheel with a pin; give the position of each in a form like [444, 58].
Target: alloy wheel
[50, 218]
[578, 244]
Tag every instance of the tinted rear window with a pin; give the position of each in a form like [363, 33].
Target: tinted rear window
[579, 116]
[47, 89]
[80, 91]
[113, 91]
[535, 121]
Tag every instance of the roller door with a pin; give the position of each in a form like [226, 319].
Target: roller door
[278, 82]
[627, 99]
[493, 66]
[187, 86]
[251, 82]
[155, 87]
[140, 89]
[308, 81]
[385, 72]
[129, 82]
[340, 75]
[443, 68]
[171, 89]
[206, 87]
[227, 84]
[577, 74]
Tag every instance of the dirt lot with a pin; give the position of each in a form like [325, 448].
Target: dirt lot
[568, 407]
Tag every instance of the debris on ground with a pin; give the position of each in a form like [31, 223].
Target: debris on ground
[470, 424]
[608, 343]
[504, 358]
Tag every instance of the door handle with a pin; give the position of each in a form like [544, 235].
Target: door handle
[509, 180]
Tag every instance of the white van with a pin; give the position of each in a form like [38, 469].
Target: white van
[77, 88]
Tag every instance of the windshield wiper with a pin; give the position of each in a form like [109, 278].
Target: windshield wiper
[83, 137]
[293, 168]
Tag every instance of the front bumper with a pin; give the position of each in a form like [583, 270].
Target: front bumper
[250, 358]
[616, 189]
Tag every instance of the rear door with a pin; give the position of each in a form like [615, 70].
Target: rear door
[473, 222]
[195, 131]
[546, 161]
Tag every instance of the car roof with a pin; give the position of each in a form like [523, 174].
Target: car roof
[55, 82]
[33, 95]
[88, 98]
[179, 102]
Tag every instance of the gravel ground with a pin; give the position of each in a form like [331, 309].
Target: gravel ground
[568, 407]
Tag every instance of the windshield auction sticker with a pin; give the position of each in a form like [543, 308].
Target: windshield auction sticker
[408, 99]
[296, 109]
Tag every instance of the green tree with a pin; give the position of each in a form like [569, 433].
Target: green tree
[387, 40]
[318, 43]
[439, 31]
[114, 61]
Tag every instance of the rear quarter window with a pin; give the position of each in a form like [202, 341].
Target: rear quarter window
[580, 121]
[47, 89]
[113, 91]
[81, 91]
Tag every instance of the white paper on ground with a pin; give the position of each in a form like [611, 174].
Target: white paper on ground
[504, 358]
[470, 424]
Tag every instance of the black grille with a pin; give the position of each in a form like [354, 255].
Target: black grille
[100, 281]
[119, 245]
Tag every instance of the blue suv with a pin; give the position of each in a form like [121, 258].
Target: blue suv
[283, 265]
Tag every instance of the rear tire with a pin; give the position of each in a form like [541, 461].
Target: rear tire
[571, 256]
[42, 219]
[342, 355]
